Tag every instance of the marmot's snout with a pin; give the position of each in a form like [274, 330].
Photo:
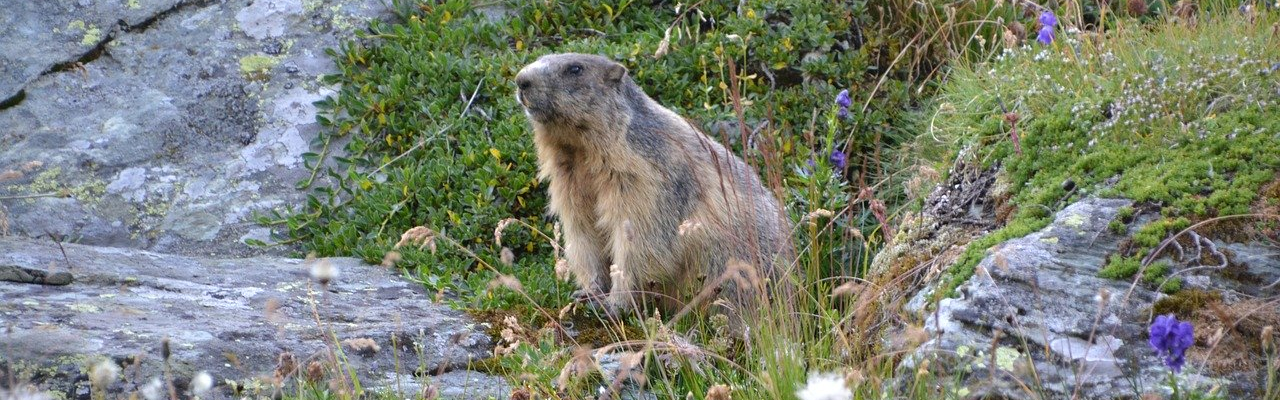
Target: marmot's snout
[526, 93]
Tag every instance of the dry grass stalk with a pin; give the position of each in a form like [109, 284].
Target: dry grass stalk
[421, 236]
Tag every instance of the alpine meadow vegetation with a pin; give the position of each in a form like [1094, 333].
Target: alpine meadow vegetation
[848, 110]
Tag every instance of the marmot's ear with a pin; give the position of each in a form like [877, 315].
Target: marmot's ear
[615, 72]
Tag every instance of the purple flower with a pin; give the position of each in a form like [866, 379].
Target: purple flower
[1047, 18]
[838, 159]
[842, 113]
[1046, 35]
[1171, 339]
[843, 99]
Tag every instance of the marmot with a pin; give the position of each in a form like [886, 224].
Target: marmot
[653, 210]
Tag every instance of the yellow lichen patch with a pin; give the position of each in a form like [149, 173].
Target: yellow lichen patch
[1005, 357]
[90, 192]
[1073, 221]
[256, 66]
[92, 34]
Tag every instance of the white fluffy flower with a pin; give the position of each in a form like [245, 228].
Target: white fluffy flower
[153, 390]
[104, 373]
[825, 387]
[324, 271]
[201, 384]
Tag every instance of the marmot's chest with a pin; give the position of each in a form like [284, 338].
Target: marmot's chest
[608, 195]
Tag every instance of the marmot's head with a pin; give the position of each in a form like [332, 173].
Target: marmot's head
[572, 89]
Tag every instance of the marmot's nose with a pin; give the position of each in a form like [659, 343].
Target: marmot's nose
[523, 82]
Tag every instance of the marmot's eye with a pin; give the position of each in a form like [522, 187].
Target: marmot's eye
[574, 69]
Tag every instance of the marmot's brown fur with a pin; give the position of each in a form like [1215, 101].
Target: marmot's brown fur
[652, 209]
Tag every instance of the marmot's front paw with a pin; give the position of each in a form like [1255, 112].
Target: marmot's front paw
[596, 301]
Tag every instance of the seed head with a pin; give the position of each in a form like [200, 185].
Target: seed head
[507, 281]
[507, 257]
[502, 225]
[824, 387]
[315, 371]
[201, 384]
[362, 346]
[391, 258]
[324, 271]
[1018, 30]
[286, 364]
[1010, 39]
[1186, 11]
[579, 366]
[719, 392]
[854, 378]
[562, 269]
[422, 236]
[819, 213]
[153, 390]
[164, 349]
[846, 289]
[923, 370]
[104, 373]
[1137, 8]
[1103, 297]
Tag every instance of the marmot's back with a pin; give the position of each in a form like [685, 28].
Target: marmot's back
[649, 204]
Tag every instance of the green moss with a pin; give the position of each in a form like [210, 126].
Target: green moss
[1117, 227]
[1185, 303]
[1125, 214]
[1155, 274]
[1121, 268]
[1120, 225]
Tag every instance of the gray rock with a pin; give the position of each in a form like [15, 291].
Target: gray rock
[455, 385]
[611, 365]
[63, 32]
[14, 273]
[163, 124]
[229, 317]
[1039, 303]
